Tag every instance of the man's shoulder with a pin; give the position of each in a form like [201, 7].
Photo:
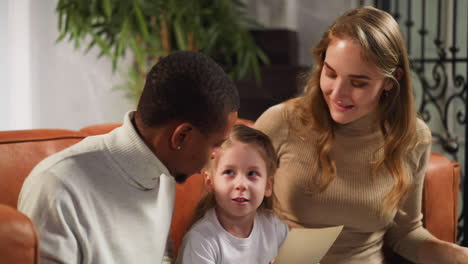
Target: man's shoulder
[56, 168]
[89, 147]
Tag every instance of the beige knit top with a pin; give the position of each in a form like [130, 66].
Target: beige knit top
[354, 198]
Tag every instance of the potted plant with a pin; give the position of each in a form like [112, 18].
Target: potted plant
[154, 28]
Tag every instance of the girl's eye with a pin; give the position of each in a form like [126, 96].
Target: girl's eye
[358, 84]
[228, 172]
[253, 173]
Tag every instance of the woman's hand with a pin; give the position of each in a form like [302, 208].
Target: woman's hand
[462, 255]
[440, 252]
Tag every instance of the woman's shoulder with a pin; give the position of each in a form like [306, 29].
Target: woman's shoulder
[272, 122]
[420, 145]
[423, 133]
[278, 116]
[276, 112]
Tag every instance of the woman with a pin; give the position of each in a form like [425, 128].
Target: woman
[351, 149]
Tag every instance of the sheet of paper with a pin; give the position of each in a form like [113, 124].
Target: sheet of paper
[307, 245]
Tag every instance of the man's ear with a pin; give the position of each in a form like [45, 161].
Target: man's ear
[269, 187]
[208, 181]
[180, 135]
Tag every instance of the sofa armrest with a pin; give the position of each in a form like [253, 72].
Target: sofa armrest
[18, 238]
[440, 197]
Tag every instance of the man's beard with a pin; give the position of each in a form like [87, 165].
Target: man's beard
[181, 177]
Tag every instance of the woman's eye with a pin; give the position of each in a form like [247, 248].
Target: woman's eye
[330, 74]
[253, 173]
[358, 84]
[228, 172]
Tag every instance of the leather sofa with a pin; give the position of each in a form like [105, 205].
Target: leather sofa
[21, 150]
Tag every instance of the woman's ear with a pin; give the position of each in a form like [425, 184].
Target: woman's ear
[388, 85]
[269, 187]
[398, 74]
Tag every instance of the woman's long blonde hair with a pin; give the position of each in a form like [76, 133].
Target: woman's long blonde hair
[262, 143]
[382, 44]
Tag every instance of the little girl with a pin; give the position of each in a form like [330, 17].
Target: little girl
[236, 223]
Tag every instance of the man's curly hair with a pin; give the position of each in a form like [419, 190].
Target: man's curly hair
[190, 87]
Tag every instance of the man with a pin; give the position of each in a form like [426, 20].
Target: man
[110, 198]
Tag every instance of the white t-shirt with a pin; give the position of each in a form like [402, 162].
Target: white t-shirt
[208, 242]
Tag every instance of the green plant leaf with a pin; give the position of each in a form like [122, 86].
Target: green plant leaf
[102, 44]
[106, 5]
[244, 61]
[239, 4]
[124, 34]
[256, 71]
[212, 37]
[219, 29]
[60, 37]
[90, 46]
[60, 20]
[137, 52]
[121, 44]
[180, 36]
[141, 21]
[262, 56]
[67, 22]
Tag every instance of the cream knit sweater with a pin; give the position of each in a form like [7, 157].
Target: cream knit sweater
[354, 198]
[106, 199]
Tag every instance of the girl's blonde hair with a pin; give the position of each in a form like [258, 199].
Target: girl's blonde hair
[255, 138]
[382, 45]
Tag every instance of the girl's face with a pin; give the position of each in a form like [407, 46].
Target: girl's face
[240, 181]
[350, 85]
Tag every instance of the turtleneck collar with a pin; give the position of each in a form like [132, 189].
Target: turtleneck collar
[141, 167]
[365, 125]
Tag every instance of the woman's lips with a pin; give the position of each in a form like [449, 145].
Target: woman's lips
[342, 108]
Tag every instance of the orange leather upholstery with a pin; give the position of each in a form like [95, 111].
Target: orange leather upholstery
[99, 129]
[21, 150]
[440, 202]
[18, 238]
